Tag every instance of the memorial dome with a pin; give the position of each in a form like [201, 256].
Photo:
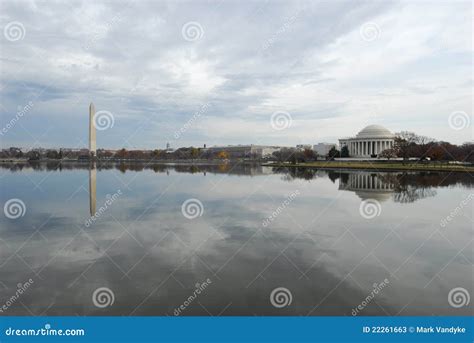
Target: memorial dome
[375, 131]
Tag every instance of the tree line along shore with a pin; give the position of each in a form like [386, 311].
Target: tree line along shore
[380, 165]
[409, 152]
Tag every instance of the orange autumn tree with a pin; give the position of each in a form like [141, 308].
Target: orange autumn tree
[223, 155]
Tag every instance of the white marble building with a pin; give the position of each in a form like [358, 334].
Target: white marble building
[369, 142]
[322, 149]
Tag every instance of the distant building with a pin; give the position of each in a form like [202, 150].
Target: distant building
[322, 149]
[369, 142]
[74, 150]
[15, 151]
[169, 149]
[303, 146]
[244, 151]
[74, 153]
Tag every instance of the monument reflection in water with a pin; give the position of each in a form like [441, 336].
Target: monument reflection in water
[151, 256]
[92, 188]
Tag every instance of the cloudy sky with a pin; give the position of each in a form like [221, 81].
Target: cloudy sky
[217, 72]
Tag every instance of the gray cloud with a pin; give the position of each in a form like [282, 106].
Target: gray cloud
[253, 58]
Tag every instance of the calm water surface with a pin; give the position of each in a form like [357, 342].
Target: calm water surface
[258, 229]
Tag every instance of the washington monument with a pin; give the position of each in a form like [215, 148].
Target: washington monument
[92, 142]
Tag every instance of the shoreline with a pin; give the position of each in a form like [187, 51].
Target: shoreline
[191, 162]
[386, 166]
[348, 165]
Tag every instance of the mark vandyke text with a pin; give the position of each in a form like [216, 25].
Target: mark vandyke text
[199, 289]
[439, 329]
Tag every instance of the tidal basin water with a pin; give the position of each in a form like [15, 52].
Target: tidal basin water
[233, 240]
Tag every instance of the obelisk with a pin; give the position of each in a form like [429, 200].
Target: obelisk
[92, 142]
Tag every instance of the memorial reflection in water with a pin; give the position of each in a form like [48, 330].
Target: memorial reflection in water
[133, 245]
[368, 185]
[383, 186]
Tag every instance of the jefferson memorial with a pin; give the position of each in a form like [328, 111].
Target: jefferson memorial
[369, 142]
